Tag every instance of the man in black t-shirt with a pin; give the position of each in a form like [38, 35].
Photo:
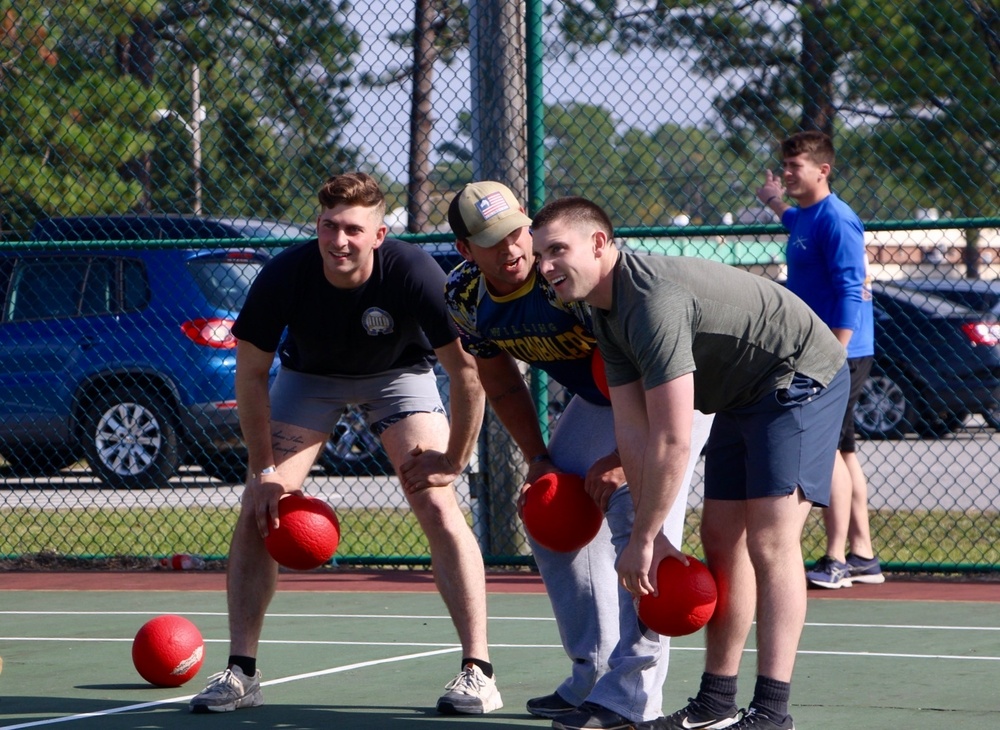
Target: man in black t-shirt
[356, 319]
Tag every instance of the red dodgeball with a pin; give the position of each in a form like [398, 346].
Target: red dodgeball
[168, 651]
[308, 533]
[685, 600]
[559, 514]
[599, 374]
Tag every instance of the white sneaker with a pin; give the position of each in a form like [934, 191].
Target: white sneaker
[227, 691]
[470, 693]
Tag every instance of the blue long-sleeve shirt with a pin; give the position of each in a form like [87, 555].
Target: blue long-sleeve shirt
[828, 268]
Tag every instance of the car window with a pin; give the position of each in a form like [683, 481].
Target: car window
[928, 303]
[6, 268]
[48, 288]
[135, 286]
[99, 292]
[225, 281]
[980, 295]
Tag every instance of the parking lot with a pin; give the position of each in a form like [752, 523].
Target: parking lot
[961, 471]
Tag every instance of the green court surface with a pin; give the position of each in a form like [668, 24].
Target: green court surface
[379, 660]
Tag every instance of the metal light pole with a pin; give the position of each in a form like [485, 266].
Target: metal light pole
[194, 129]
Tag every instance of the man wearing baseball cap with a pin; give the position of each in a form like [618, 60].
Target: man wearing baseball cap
[505, 312]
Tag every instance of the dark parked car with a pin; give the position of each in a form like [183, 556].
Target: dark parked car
[979, 294]
[935, 363]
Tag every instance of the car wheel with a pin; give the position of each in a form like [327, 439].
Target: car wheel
[131, 440]
[36, 461]
[353, 450]
[882, 410]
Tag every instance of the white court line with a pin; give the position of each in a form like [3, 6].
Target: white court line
[280, 680]
[437, 617]
[905, 626]
[222, 614]
[454, 647]
[421, 655]
[283, 642]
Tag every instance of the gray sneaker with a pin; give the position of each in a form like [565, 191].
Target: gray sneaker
[865, 570]
[227, 691]
[829, 573]
[470, 693]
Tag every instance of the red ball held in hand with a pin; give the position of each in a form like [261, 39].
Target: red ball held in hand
[685, 598]
[307, 535]
[559, 514]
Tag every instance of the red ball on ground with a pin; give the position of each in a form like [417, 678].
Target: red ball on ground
[307, 535]
[599, 373]
[168, 651]
[559, 514]
[685, 599]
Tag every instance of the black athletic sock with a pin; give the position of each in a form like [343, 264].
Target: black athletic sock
[771, 696]
[717, 694]
[247, 664]
[485, 666]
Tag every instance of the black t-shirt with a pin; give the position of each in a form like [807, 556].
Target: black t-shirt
[393, 320]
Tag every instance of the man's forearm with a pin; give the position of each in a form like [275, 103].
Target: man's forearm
[516, 412]
[467, 407]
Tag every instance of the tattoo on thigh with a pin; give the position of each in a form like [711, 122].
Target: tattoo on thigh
[287, 444]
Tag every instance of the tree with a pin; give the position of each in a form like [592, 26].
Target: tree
[916, 80]
[582, 140]
[277, 75]
[440, 30]
[677, 170]
[938, 106]
[64, 130]
[80, 81]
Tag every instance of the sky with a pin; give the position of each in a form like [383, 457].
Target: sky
[644, 89]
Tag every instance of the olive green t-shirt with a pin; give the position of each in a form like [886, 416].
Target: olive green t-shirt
[743, 336]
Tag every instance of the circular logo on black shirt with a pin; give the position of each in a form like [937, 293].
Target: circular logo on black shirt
[376, 321]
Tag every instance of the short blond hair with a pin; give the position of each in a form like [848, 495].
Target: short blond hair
[354, 189]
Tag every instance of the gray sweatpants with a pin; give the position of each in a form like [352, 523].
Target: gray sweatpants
[613, 664]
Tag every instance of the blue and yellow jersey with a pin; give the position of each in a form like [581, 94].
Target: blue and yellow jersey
[532, 325]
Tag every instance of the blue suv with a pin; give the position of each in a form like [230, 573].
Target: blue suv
[122, 354]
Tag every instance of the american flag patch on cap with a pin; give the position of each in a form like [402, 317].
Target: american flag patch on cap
[491, 205]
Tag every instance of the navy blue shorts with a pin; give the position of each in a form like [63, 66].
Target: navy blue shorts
[784, 441]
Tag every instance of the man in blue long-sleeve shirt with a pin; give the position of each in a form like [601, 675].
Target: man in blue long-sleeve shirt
[828, 269]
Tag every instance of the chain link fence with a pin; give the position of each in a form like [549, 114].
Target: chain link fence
[155, 154]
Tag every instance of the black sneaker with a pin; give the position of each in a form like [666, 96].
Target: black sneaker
[754, 718]
[829, 573]
[549, 706]
[865, 570]
[692, 717]
[591, 716]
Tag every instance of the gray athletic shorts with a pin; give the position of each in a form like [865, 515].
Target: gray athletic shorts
[316, 401]
[786, 440]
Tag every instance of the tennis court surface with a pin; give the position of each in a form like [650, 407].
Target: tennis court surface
[372, 651]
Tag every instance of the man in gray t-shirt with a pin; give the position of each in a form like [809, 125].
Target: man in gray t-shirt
[678, 334]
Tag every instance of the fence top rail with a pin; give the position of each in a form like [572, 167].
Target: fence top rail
[678, 233]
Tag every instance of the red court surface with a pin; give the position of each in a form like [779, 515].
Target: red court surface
[896, 588]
